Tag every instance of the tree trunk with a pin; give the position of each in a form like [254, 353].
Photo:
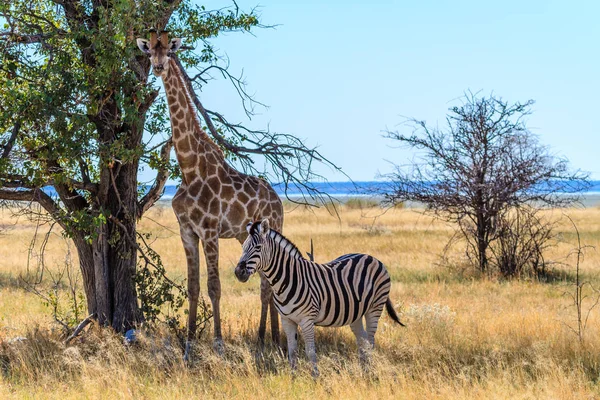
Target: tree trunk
[108, 264]
[121, 257]
[482, 243]
[122, 253]
[86, 263]
[108, 268]
[102, 287]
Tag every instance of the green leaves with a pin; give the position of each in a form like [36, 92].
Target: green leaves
[71, 77]
[157, 293]
[79, 111]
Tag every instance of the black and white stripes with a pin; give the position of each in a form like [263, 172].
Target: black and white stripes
[306, 293]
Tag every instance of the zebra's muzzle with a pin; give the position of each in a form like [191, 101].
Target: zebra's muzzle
[241, 272]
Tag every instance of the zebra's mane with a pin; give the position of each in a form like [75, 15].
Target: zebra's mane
[280, 240]
[286, 244]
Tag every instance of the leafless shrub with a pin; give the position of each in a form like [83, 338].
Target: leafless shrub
[523, 237]
[489, 175]
[584, 296]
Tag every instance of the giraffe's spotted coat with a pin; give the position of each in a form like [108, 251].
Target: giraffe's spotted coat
[214, 200]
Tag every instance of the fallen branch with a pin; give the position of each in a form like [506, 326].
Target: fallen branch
[80, 327]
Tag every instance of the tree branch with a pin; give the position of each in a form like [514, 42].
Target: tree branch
[15, 39]
[164, 19]
[80, 327]
[11, 141]
[287, 154]
[157, 188]
[38, 196]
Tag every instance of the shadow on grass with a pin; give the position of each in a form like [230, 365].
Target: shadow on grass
[437, 274]
[551, 276]
[556, 276]
[25, 282]
[9, 281]
[336, 348]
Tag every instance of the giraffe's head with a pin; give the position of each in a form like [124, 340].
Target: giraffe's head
[253, 259]
[159, 49]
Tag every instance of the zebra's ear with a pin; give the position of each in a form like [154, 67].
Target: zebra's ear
[264, 227]
[249, 226]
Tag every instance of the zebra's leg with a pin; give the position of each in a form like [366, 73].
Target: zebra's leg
[362, 341]
[291, 331]
[308, 333]
[372, 319]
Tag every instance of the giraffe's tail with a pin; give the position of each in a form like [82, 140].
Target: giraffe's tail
[390, 309]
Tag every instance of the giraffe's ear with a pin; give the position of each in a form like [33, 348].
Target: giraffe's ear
[143, 44]
[175, 45]
[264, 227]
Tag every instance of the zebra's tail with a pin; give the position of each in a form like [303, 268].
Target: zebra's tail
[390, 309]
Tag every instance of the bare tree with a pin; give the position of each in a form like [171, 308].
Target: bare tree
[486, 172]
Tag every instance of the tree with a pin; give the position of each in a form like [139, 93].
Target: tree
[80, 113]
[486, 172]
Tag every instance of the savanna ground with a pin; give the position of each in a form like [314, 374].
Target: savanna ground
[466, 336]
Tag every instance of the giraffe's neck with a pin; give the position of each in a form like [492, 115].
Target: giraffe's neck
[197, 154]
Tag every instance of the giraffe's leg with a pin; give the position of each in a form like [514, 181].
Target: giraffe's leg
[265, 290]
[190, 244]
[210, 244]
[361, 340]
[308, 333]
[291, 331]
[267, 303]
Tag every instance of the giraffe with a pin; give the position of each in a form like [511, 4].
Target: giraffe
[214, 200]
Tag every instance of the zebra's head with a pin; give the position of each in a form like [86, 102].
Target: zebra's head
[252, 259]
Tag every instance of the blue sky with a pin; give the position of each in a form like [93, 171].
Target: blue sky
[339, 73]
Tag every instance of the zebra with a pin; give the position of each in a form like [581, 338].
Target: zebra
[340, 292]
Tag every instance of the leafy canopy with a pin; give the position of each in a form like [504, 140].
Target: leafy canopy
[74, 94]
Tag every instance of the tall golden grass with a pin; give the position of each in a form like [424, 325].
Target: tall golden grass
[467, 336]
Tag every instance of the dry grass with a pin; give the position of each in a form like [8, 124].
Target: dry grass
[466, 337]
